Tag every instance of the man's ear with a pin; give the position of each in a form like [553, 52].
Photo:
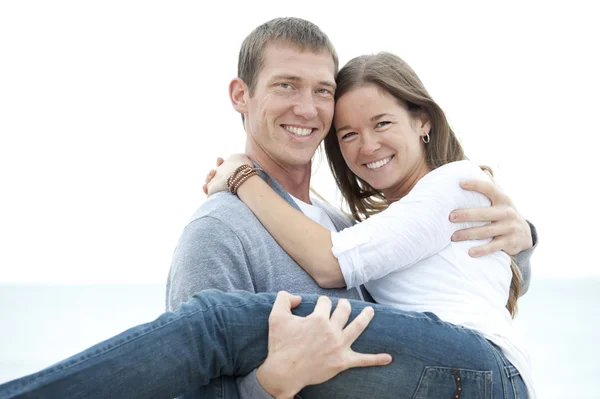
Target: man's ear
[239, 95]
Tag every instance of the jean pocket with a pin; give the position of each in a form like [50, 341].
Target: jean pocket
[453, 383]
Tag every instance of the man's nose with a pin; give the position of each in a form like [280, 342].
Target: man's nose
[305, 106]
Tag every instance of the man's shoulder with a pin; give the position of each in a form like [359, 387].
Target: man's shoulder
[224, 208]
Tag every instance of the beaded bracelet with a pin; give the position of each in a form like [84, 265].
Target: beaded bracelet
[239, 176]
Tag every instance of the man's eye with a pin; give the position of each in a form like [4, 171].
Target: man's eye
[285, 85]
[324, 91]
[382, 124]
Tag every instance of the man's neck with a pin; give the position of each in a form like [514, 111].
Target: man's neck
[294, 179]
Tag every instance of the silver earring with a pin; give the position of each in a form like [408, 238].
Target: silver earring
[426, 138]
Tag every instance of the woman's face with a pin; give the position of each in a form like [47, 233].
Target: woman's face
[380, 140]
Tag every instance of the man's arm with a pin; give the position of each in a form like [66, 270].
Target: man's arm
[208, 255]
[523, 259]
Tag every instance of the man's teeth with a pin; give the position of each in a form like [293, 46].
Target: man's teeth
[298, 131]
[378, 164]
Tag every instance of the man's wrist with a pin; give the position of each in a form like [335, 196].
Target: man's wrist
[274, 383]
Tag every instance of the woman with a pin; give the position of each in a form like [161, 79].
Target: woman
[226, 334]
[399, 164]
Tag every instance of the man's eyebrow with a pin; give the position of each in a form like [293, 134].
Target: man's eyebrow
[287, 77]
[328, 83]
[295, 78]
[373, 119]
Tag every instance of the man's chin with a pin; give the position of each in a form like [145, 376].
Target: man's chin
[297, 160]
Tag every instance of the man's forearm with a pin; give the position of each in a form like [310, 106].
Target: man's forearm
[523, 260]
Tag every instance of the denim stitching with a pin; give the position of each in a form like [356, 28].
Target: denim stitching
[500, 363]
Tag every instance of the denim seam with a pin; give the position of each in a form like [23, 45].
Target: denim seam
[501, 367]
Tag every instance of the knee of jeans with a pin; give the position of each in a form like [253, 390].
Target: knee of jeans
[446, 382]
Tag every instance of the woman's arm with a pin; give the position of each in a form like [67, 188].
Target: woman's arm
[410, 230]
[305, 240]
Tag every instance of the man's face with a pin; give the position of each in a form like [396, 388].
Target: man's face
[291, 109]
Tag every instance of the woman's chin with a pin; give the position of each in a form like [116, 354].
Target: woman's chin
[377, 185]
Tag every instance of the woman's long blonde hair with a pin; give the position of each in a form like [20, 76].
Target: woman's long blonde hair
[394, 76]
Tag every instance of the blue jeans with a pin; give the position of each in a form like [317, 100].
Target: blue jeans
[225, 334]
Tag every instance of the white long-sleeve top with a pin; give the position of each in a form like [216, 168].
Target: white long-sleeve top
[405, 258]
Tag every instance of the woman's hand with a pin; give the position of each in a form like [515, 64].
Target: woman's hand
[216, 179]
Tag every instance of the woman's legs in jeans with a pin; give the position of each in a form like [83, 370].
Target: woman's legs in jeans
[431, 359]
[165, 358]
[226, 334]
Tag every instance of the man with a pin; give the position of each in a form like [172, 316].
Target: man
[225, 247]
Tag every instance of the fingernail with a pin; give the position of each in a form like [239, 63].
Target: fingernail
[454, 237]
[370, 311]
[473, 252]
[453, 216]
[464, 183]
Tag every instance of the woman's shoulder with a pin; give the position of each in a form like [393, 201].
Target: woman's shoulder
[460, 169]
[444, 181]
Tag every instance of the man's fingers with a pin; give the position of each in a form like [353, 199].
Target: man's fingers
[295, 300]
[470, 215]
[491, 230]
[284, 303]
[341, 314]
[493, 246]
[359, 324]
[366, 360]
[322, 308]
[483, 214]
[487, 188]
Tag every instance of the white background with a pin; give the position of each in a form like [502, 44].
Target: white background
[112, 112]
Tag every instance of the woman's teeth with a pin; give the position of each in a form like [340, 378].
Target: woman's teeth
[378, 164]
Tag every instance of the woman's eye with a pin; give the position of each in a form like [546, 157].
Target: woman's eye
[348, 135]
[382, 124]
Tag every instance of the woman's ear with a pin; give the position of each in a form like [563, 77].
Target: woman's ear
[425, 123]
[239, 94]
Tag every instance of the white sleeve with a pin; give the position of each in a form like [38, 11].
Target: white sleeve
[411, 229]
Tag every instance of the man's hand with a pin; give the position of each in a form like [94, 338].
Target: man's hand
[510, 231]
[216, 179]
[311, 350]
